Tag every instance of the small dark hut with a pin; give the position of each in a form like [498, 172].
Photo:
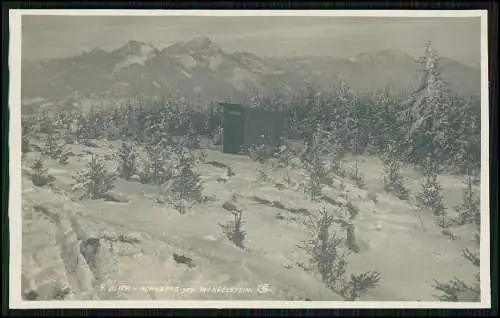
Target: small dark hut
[245, 126]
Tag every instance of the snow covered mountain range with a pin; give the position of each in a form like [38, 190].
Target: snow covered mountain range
[200, 70]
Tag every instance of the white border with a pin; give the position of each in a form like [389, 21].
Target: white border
[15, 215]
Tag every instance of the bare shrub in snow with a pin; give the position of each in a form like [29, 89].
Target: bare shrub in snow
[372, 196]
[39, 175]
[64, 157]
[346, 219]
[265, 173]
[337, 167]
[95, 181]
[352, 210]
[234, 229]
[445, 222]
[357, 176]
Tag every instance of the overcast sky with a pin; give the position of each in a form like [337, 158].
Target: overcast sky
[340, 37]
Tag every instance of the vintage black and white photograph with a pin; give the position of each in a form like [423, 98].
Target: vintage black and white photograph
[317, 160]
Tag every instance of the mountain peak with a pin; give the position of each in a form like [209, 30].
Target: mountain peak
[96, 50]
[135, 48]
[133, 44]
[199, 44]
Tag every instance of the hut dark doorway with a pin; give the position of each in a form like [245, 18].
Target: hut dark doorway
[234, 128]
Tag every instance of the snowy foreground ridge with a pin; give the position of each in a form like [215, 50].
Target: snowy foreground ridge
[134, 248]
